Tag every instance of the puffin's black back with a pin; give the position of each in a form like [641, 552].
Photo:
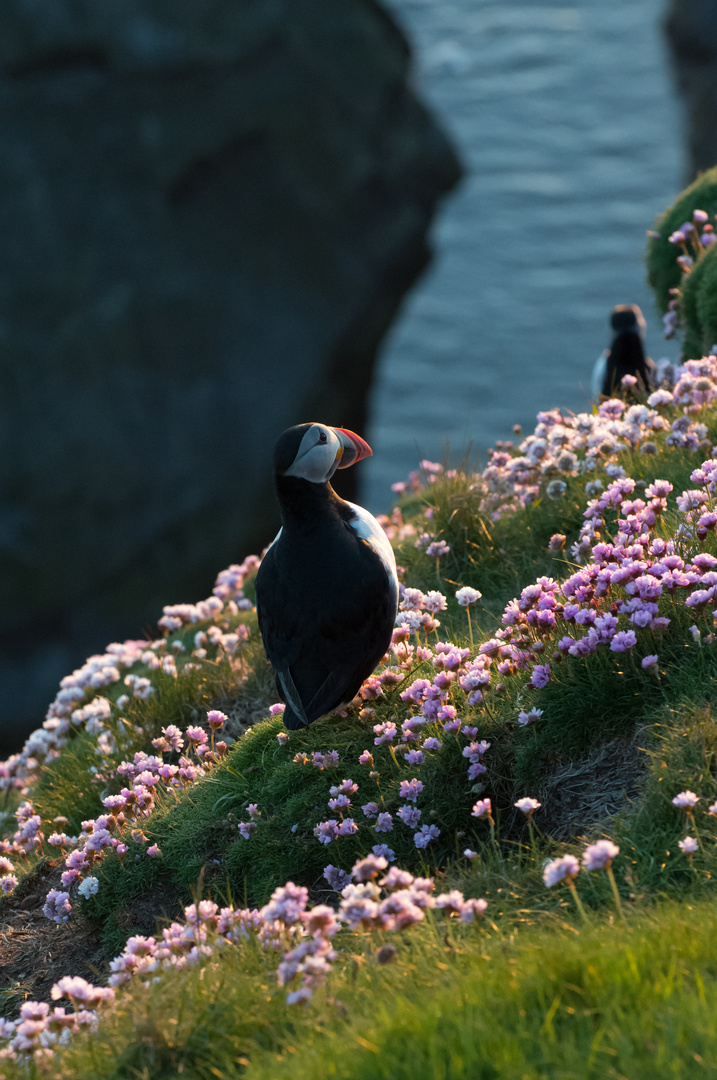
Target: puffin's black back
[626, 357]
[325, 604]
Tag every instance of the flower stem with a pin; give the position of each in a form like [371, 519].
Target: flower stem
[578, 901]
[470, 627]
[615, 893]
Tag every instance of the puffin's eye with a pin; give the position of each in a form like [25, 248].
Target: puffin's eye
[323, 438]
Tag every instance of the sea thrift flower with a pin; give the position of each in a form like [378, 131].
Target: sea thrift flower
[472, 909]
[560, 869]
[409, 815]
[540, 676]
[88, 887]
[467, 596]
[369, 868]
[366, 758]
[282, 737]
[410, 789]
[689, 845]
[685, 800]
[600, 855]
[438, 548]
[425, 835]
[623, 640]
[649, 662]
[529, 716]
[337, 879]
[384, 823]
[8, 882]
[277, 710]
[385, 851]
[216, 719]
[482, 809]
[527, 806]
[469, 854]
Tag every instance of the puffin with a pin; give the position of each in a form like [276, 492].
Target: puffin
[626, 355]
[327, 587]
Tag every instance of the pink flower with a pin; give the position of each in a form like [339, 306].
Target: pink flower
[685, 800]
[385, 851]
[527, 806]
[368, 868]
[650, 661]
[482, 808]
[411, 789]
[623, 640]
[216, 719]
[409, 815]
[438, 548]
[366, 758]
[540, 676]
[598, 856]
[384, 823]
[276, 710]
[689, 845]
[325, 831]
[425, 835]
[560, 869]
[472, 909]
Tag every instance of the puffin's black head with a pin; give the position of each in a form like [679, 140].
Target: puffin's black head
[314, 451]
[627, 319]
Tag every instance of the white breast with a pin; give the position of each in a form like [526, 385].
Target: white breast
[366, 526]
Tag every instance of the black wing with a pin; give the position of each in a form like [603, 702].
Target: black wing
[326, 619]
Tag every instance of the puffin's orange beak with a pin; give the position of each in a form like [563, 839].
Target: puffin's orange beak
[354, 448]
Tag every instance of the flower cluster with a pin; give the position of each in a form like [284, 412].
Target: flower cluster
[301, 933]
[145, 776]
[88, 698]
[575, 446]
[39, 1029]
[692, 239]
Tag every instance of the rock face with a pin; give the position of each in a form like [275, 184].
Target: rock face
[691, 27]
[209, 215]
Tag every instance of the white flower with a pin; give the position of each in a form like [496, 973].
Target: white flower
[689, 845]
[467, 596]
[527, 805]
[88, 887]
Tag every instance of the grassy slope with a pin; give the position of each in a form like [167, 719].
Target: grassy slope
[447, 1007]
[487, 1002]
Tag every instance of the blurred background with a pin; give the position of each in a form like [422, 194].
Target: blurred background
[411, 218]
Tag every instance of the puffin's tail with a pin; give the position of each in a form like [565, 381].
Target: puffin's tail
[291, 720]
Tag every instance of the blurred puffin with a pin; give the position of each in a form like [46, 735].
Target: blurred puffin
[327, 588]
[626, 355]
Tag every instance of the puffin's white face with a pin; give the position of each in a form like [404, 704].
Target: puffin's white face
[318, 456]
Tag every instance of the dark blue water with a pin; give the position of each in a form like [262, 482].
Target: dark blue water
[567, 123]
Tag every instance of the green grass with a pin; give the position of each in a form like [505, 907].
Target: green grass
[536, 998]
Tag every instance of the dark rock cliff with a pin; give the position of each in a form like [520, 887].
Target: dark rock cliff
[691, 28]
[209, 216]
